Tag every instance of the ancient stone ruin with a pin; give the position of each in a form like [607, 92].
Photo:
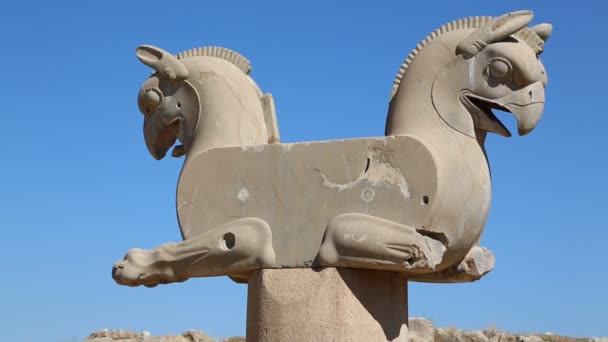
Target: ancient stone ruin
[335, 229]
[419, 330]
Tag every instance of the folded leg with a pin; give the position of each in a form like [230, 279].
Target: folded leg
[363, 241]
[234, 249]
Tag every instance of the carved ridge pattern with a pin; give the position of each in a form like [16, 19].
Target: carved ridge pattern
[218, 52]
[470, 22]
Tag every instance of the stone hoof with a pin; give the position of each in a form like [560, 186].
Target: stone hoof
[144, 267]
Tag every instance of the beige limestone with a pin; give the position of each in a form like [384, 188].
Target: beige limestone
[456, 335]
[476, 264]
[415, 201]
[529, 338]
[106, 335]
[420, 330]
[328, 304]
[498, 336]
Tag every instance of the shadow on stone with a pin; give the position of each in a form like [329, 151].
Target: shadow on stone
[383, 294]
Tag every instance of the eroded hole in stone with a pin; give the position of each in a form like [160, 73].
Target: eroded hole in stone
[425, 200]
[229, 240]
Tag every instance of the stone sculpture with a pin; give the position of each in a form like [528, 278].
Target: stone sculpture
[414, 202]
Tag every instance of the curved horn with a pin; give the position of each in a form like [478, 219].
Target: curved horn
[162, 61]
[493, 31]
[542, 30]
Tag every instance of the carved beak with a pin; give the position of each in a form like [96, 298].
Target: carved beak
[160, 136]
[526, 105]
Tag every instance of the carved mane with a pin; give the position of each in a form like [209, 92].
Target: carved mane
[243, 64]
[218, 52]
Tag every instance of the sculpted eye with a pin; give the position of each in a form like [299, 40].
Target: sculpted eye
[499, 68]
[149, 100]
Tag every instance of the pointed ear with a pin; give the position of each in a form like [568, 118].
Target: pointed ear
[495, 30]
[543, 30]
[162, 61]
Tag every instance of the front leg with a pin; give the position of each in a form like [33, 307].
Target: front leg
[363, 241]
[234, 249]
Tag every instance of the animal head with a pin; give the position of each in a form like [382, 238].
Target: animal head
[204, 98]
[482, 64]
[168, 101]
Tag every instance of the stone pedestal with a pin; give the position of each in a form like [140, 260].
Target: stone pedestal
[327, 304]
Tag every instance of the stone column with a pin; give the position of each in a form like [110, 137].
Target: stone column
[326, 304]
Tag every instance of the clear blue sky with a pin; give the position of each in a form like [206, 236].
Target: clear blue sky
[78, 187]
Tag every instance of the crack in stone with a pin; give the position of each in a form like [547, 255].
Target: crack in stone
[377, 173]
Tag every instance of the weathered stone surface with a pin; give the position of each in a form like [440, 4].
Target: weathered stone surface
[499, 336]
[420, 330]
[196, 336]
[328, 304]
[299, 188]
[114, 335]
[477, 263]
[106, 335]
[529, 338]
[456, 335]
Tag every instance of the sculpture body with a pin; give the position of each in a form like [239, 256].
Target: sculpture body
[415, 201]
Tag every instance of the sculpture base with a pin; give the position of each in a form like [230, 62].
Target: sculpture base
[326, 304]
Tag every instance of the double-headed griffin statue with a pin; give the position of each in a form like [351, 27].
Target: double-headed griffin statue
[414, 201]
